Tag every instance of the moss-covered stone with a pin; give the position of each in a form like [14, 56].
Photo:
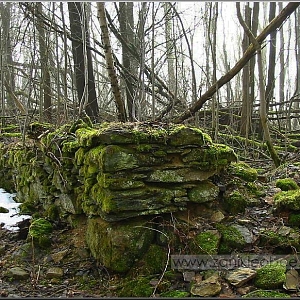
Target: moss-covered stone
[39, 231]
[206, 242]
[235, 202]
[154, 261]
[231, 239]
[118, 245]
[287, 184]
[205, 191]
[287, 200]
[243, 171]
[271, 276]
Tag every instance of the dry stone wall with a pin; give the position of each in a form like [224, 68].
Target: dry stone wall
[116, 177]
[117, 171]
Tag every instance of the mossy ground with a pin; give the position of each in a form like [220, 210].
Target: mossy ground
[266, 294]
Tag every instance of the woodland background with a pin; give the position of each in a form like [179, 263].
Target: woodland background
[220, 66]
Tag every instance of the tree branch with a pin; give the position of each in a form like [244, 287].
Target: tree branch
[273, 25]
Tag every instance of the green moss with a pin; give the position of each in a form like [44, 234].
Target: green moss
[52, 213]
[175, 294]
[143, 148]
[283, 240]
[27, 207]
[287, 200]
[231, 239]
[139, 287]
[266, 294]
[118, 245]
[206, 242]
[115, 158]
[243, 171]
[294, 220]
[153, 261]
[269, 237]
[205, 191]
[235, 202]
[270, 276]
[287, 184]
[39, 231]
[159, 153]
[255, 190]
[86, 136]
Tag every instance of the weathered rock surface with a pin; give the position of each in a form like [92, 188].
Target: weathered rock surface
[17, 273]
[207, 288]
[116, 170]
[240, 276]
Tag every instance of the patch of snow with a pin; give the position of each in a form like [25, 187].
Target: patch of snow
[11, 218]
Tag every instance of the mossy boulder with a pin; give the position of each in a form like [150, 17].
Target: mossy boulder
[235, 202]
[287, 184]
[271, 276]
[39, 231]
[287, 200]
[206, 242]
[243, 171]
[205, 191]
[118, 245]
[231, 239]
[154, 260]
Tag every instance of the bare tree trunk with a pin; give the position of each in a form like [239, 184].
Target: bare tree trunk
[272, 57]
[263, 110]
[282, 67]
[169, 45]
[83, 67]
[245, 113]
[295, 122]
[46, 79]
[110, 62]
[126, 24]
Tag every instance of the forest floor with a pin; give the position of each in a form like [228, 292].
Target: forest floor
[66, 269]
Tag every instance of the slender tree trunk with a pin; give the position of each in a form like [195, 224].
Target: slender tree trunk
[282, 66]
[263, 110]
[84, 76]
[126, 24]
[169, 45]
[245, 113]
[295, 122]
[110, 62]
[46, 79]
[272, 57]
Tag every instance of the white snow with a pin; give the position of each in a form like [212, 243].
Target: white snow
[11, 218]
